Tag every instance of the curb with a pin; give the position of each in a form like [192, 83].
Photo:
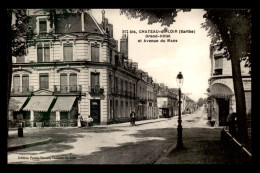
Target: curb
[160, 160]
[240, 145]
[28, 145]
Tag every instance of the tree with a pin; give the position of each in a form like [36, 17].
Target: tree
[233, 27]
[16, 44]
[201, 101]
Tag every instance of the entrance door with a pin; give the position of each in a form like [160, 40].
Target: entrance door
[95, 111]
[223, 111]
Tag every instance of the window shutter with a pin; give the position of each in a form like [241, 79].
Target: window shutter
[94, 79]
[46, 53]
[25, 82]
[95, 53]
[73, 79]
[44, 81]
[16, 82]
[39, 54]
[68, 52]
[63, 79]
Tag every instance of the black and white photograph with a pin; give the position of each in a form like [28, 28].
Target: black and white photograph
[129, 86]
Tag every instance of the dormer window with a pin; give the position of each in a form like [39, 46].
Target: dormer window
[42, 25]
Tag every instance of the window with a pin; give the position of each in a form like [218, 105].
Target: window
[68, 84]
[116, 85]
[68, 52]
[94, 80]
[73, 82]
[116, 108]
[63, 82]
[43, 53]
[126, 108]
[16, 82]
[218, 62]
[94, 53]
[122, 86]
[25, 83]
[42, 25]
[44, 81]
[39, 54]
[122, 107]
[20, 59]
[110, 83]
[126, 86]
[46, 53]
[110, 56]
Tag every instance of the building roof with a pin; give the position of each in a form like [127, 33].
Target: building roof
[39, 103]
[16, 103]
[64, 104]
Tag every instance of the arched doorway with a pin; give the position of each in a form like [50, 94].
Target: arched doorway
[222, 94]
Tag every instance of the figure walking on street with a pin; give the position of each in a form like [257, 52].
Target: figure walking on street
[132, 118]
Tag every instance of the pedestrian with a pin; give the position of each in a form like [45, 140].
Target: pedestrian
[132, 118]
[231, 122]
[79, 120]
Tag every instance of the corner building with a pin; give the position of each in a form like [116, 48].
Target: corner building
[221, 88]
[73, 68]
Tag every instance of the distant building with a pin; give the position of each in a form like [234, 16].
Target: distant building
[167, 101]
[221, 100]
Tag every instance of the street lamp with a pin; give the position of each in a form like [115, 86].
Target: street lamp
[179, 80]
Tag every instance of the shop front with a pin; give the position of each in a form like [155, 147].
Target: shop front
[219, 103]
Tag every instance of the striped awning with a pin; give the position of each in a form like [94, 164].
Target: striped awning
[64, 104]
[39, 103]
[16, 103]
[220, 91]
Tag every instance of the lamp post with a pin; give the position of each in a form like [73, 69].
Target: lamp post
[179, 80]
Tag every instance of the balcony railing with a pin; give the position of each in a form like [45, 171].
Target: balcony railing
[22, 90]
[96, 90]
[67, 88]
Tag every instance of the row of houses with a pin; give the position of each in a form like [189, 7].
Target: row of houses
[74, 68]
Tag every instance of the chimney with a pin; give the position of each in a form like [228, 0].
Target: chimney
[116, 45]
[104, 21]
[135, 65]
[124, 45]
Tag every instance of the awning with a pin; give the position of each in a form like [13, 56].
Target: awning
[16, 103]
[64, 104]
[220, 91]
[39, 103]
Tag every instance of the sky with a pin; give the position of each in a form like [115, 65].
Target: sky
[163, 61]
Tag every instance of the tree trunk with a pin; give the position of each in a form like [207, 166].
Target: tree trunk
[240, 96]
[9, 53]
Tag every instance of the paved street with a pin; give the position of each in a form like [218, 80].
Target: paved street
[144, 143]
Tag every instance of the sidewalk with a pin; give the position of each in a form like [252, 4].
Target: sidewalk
[15, 143]
[204, 146]
[137, 123]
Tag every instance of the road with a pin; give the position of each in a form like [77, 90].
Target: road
[110, 144]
